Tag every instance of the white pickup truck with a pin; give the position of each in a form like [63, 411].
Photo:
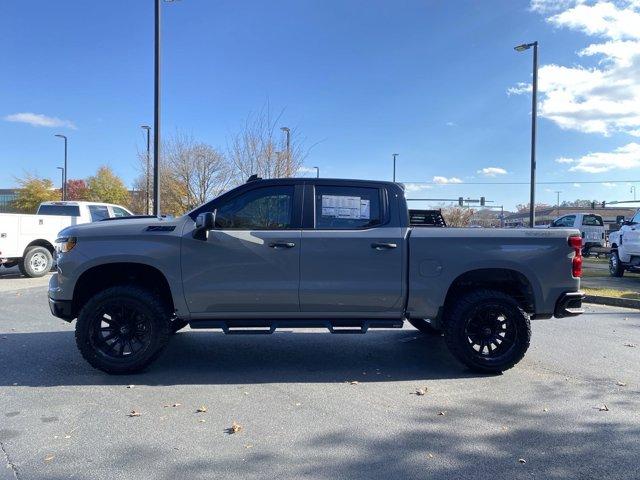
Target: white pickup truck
[28, 240]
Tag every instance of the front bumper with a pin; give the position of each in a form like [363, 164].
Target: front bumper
[569, 305]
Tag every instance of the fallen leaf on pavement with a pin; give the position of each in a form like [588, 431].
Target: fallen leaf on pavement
[522, 460]
[201, 409]
[632, 345]
[442, 414]
[248, 446]
[130, 386]
[49, 457]
[354, 382]
[430, 455]
[202, 420]
[621, 384]
[545, 409]
[234, 428]
[603, 408]
[297, 404]
[421, 391]
[133, 413]
[172, 405]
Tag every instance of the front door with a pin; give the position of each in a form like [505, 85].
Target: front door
[251, 261]
[631, 235]
[351, 260]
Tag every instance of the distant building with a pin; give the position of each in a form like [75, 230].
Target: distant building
[544, 216]
[7, 196]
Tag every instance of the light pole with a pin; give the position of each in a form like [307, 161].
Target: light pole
[317, 172]
[534, 103]
[148, 129]
[558, 192]
[156, 112]
[64, 172]
[61, 181]
[394, 155]
[287, 132]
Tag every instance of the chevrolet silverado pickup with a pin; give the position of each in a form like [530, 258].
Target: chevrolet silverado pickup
[319, 253]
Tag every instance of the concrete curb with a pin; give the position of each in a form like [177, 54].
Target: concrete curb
[613, 301]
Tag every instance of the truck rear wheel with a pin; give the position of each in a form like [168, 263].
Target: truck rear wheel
[487, 331]
[122, 329]
[616, 269]
[37, 262]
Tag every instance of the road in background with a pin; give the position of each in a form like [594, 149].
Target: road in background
[302, 414]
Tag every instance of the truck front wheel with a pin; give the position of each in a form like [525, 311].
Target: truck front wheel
[616, 269]
[37, 262]
[122, 329]
[487, 331]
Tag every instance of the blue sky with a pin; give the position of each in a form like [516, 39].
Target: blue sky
[364, 79]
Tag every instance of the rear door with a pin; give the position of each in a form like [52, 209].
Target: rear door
[351, 258]
[251, 261]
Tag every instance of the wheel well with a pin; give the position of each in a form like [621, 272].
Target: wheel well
[108, 275]
[511, 282]
[39, 243]
[614, 245]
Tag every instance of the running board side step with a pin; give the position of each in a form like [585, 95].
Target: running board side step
[265, 327]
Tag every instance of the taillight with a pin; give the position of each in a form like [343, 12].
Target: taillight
[575, 242]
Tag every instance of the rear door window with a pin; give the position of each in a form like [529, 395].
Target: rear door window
[592, 221]
[65, 210]
[347, 208]
[98, 212]
[120, 212]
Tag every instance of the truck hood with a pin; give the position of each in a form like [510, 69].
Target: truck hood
[124, 226]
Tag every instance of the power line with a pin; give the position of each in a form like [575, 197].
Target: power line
[520, 183]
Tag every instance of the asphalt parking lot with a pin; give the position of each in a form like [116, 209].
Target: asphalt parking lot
[303, 416]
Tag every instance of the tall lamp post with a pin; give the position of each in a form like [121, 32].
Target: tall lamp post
[394, 155]
[61, 180]
[64, 171]
[156, 112]
[534, 104]
[148, 202]
[317, 172]
[287, 132]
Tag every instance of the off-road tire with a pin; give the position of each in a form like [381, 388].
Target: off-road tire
[27, 267]
[616, 269]
[425, 327]
[138, 300]
[467, 307]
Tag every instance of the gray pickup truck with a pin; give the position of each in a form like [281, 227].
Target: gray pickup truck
[294, 253]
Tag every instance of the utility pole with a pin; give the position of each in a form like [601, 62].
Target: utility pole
[156, 113]
[394, 165]
[287, 132]
[534, 104]
[148, 192]
[64, 172]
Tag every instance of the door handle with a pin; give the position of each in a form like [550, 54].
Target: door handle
[282, 245]
[383, 246]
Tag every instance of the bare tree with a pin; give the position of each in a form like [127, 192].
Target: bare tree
[457, 216]
[260, 148]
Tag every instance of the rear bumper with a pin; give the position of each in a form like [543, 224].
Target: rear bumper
[61, 309]
[569, 305]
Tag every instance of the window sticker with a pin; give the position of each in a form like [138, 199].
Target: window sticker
[340, 206]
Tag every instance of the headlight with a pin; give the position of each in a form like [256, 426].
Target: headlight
[65, 244]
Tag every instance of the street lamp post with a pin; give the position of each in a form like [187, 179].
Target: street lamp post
[534, 104]
[61, 181]
[394, 155]
[148, 202]
[558, 192]
[287, 132]
[64, 172]
[156, 113]
[317, 172]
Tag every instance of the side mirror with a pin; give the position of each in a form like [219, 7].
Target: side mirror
[204, 222]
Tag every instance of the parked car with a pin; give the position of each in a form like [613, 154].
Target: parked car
[290, 253]
[591, 229]
[28, 240]
[625, 247]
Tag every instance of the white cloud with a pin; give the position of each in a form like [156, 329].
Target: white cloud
[622, 158]
[608, 184]
[577, 185]
[451, 124]
[520, 88]
[492, 171]
[304, 170]
[564, 160]
[39, 120]
[549, 6]
[416, 187]
[603, 99]
[445, 180]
